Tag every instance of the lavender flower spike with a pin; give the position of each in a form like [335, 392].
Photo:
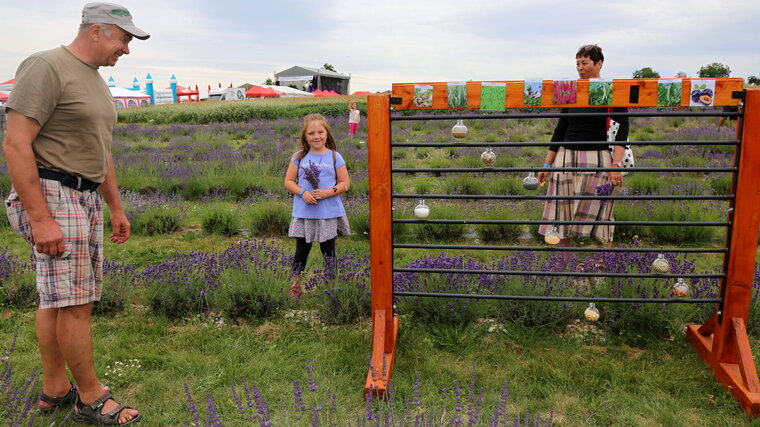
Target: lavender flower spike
[312, 174]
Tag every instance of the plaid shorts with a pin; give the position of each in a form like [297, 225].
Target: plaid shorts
[76, 277]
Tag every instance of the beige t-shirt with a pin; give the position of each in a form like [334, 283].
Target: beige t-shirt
[74, 108]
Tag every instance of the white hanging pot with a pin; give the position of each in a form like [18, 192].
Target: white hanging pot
[459, 130]
[421, 210]
[591, 313]
[552, 237]
[660, 264]
[530, 182]
[488, 157]
[680, 289]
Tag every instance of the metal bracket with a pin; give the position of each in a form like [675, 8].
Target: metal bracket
[633, 96]
[396, 100]
[737, 94]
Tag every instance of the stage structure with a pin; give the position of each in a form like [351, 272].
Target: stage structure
[722, 341]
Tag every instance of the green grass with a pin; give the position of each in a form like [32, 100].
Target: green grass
[585, 382]
[587, 379]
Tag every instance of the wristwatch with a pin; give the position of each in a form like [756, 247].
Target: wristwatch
[335, 189]
[618, 164]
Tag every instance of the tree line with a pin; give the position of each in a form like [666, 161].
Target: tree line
[714, 70]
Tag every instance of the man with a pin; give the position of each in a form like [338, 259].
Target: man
[60, 120]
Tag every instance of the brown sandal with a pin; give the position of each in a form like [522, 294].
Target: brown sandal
[92, 413]
[58, 402]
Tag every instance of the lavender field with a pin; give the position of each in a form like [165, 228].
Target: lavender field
[210, 257]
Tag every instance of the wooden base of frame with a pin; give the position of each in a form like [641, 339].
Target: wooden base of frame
[738, 377]
[379, 375]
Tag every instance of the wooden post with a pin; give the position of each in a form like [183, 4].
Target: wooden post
[384, 322]
[722, 342]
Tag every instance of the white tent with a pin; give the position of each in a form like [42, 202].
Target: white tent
[127, 98]
[288, 92]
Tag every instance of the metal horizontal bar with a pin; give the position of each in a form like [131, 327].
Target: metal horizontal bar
[547, 143]
[562, 299]
[560, 249]
[521, 222]
[539, 169]
[544, 197]
[556, 273]
[554, 115]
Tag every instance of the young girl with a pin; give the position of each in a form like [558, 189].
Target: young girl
[354, 117]
[317, 176]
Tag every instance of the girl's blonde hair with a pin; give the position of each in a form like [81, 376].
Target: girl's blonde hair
[351, 104]
[330, 144]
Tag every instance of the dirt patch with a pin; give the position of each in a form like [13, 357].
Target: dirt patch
[581, 329]
[268, 331]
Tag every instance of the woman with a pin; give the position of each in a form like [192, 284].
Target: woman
[588, 63]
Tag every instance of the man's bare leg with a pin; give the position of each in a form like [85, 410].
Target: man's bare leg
[55, 383]
[75, 338]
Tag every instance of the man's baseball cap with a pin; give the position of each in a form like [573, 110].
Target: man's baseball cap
[114, 14]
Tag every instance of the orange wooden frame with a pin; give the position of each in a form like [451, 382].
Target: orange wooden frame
[384, 323]
[620, 93]
[722, 341]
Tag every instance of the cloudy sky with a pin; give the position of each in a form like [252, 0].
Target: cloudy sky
[208, 42]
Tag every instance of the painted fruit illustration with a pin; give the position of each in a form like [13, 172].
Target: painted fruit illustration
[703, 96]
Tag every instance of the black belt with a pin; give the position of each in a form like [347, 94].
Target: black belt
[71, 181]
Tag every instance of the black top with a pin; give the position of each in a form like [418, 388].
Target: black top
[588, 129]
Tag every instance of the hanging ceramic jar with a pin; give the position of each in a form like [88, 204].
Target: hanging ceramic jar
[552, 237]
[421, 210]
[530, 182]
[591, 313]
[488, 157]
[660, 264]
[459, 130]
[680, 289]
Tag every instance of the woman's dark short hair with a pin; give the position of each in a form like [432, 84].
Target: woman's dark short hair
[592, 51]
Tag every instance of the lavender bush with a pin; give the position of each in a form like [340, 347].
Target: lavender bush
[155, 213]
[345, 292]
[17, 284]
[219, 218]
[269, 218]
[443, 310]
[256, 295]
[119, 280]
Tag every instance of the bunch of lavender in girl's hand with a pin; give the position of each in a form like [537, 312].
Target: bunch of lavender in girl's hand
[312, 174]
[604, 189]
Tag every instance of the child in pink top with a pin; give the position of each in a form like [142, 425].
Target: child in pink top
[354, 117]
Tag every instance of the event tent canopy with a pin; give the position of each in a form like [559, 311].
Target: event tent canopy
[189, 93]
[127, 98]
[4, 96]
[7, 86]
[288, 92]
[325, 93]
[258, 91]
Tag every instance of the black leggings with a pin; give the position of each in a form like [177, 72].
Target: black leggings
[302, 254]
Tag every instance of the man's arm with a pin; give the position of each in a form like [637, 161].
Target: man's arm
[110, 192]
[22, 131]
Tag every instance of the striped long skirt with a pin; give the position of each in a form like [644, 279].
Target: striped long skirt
[579, 184]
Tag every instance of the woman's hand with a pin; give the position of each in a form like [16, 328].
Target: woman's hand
[542, 177]
[616, 178]
[309, 198]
